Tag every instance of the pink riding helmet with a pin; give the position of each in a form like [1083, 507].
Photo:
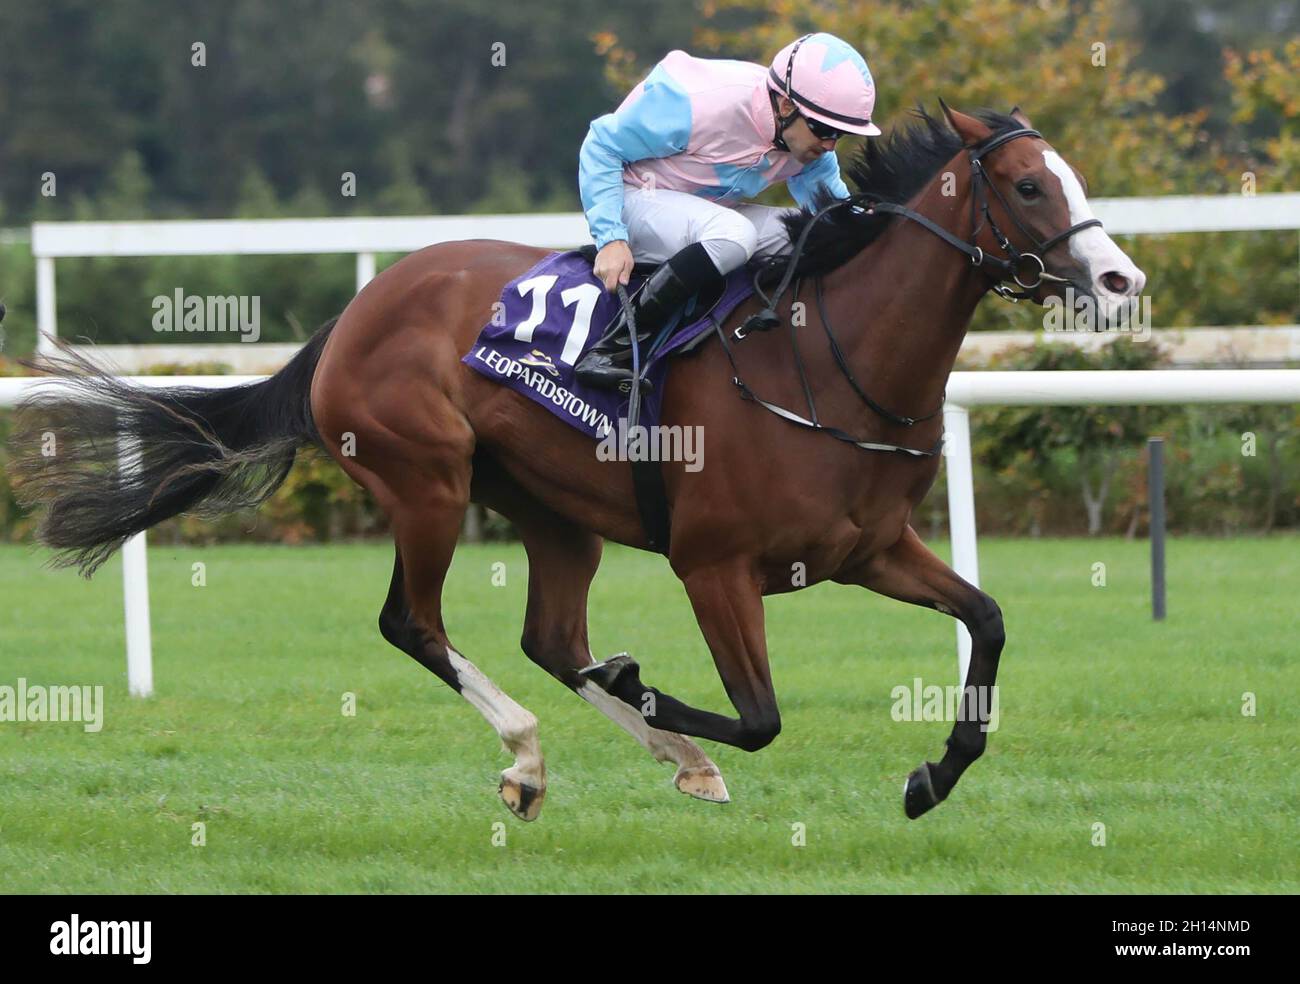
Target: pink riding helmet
[828, 80]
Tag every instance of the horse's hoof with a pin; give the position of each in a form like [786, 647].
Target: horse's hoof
[520, 796]
[606, 674]
[918, 792]
[703, 782]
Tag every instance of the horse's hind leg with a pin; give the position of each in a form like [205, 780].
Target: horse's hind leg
[728, 605]
[412, 621]
[562, 561]
[909, 572]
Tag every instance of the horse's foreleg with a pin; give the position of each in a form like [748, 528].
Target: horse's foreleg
[729, 608]
[562, 560]
[909, 572]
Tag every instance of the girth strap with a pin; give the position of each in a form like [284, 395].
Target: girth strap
[647, 476]
[795, 418]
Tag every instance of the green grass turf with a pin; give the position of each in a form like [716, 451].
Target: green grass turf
[1106, 718]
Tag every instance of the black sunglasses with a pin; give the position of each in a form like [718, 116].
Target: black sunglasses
[822, 131]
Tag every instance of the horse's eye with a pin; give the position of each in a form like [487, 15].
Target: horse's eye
[1027, 189]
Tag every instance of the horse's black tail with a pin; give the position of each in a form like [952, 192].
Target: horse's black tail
[107, 459]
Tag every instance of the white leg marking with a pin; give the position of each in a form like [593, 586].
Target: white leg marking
[665, 746]
[516, 725]
[696, 774]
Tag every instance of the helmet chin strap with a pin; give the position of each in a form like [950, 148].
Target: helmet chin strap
[782, 122]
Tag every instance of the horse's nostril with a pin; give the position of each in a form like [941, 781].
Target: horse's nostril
[1115, 282]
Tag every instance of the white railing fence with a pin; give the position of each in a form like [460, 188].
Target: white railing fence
[366, 237]
[965, 390]
[262, 237]
[1135, 387]
[135, 561]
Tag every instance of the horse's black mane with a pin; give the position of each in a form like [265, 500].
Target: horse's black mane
[891, 168]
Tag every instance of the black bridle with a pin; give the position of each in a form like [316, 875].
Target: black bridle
[1012, 267]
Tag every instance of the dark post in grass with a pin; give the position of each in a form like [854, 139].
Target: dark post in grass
[1156, 493]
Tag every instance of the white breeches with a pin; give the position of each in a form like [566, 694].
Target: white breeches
[662, 223]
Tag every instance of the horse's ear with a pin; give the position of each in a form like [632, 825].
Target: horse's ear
[1017, 115]
[971, 130]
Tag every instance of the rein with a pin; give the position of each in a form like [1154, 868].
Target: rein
[1013, 267]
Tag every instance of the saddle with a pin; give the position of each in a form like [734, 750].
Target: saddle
[696, 308]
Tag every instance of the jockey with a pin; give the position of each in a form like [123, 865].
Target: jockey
[662, 177]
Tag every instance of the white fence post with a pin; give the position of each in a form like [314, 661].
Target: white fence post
[365, 269]
[46, 323]
[961, 512]
[135, 593]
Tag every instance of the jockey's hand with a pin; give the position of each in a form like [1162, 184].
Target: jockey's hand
[614, 264]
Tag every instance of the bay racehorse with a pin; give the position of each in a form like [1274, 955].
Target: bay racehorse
[946, 209]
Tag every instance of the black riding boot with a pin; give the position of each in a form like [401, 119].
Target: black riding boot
[608, 364]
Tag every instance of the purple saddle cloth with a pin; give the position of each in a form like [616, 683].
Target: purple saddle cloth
[548, 317]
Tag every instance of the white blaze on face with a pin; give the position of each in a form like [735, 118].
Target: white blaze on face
[1093, 248]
